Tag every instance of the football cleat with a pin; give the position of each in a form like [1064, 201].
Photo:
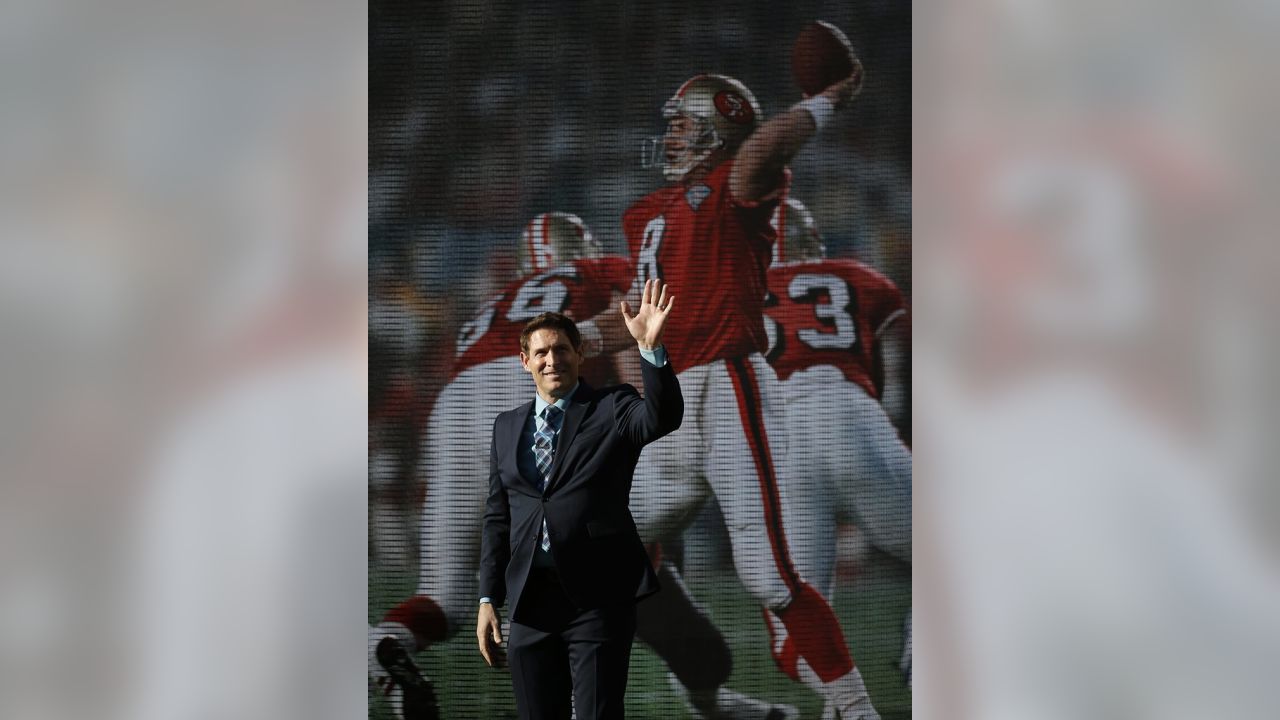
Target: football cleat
[860, 710]
[726, 704]
[416, 695]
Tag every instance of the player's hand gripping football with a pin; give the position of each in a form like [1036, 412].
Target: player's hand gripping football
[841, 93]
[823, 62]
[647, 323]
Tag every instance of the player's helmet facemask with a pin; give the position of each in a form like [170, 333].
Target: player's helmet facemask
[698, 146]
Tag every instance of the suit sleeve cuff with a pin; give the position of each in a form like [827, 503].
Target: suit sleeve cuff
[656, 357]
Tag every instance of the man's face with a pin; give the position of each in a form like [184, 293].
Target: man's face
[682, 132]
[553, 362]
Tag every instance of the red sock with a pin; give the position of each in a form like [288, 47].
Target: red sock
[423, 617]
[813, 627]
[784, 652]
[655, 555]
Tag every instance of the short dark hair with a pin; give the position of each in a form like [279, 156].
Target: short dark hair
[551, 321]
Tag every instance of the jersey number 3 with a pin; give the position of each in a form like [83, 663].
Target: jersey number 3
[836, 313]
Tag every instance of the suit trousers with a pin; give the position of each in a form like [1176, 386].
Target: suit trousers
[566, 650]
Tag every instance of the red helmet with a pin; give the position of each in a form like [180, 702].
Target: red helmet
[552, 239]
[724, 113]
[798, 236]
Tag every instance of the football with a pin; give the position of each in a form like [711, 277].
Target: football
[822, 56]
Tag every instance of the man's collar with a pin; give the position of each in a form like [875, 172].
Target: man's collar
[563, 403]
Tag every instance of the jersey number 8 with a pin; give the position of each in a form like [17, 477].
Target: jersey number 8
[647, 262]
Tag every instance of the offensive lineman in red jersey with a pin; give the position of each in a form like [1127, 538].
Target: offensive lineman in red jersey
[561, 272]
[838, 334]
[709, 234]
[827, 311]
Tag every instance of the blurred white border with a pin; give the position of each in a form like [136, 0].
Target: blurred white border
[1096, 515]
[183, 276]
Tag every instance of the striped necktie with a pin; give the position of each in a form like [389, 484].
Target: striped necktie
[544, 452]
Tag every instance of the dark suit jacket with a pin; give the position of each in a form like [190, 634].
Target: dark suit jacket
[597, 551]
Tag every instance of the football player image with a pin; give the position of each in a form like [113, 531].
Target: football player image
[838, 340]
[708, 232]
[562, 270]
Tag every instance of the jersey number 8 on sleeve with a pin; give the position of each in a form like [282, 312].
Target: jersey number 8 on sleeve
[547, 292]
[543, 293]
[647, 262]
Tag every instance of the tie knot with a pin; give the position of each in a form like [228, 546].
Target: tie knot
[552, 414]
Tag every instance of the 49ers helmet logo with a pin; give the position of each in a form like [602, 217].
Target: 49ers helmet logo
[734, 107]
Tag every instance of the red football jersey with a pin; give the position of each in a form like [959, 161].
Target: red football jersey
[829, 312]
[580, 289]
[713, 252]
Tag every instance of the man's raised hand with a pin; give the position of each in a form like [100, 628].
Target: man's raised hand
[647, 323]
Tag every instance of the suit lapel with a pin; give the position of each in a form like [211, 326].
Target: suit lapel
[572, 419]
[517, 421]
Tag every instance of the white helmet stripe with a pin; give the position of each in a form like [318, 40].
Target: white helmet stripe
[536, 235]
[780, 229]
[528, 244]
[546, 252]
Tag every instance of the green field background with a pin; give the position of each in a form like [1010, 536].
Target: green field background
[871, 607]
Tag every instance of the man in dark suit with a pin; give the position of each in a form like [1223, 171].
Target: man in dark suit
[558, 537]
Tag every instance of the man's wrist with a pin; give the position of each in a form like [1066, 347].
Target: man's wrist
[820, 108]
[656, 355]
[486, 601]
